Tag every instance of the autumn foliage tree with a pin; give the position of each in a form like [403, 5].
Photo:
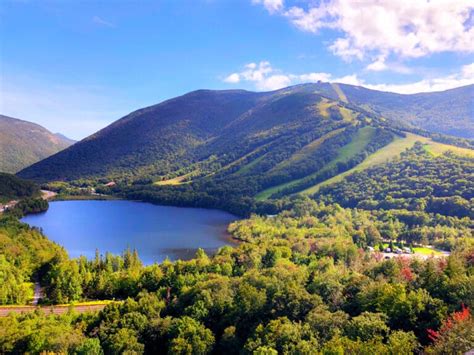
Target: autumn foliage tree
[456, 334]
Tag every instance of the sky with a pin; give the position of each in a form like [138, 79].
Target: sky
[76, 66]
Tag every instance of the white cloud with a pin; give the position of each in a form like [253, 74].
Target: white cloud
[378, 65]
[232, 78]
[265, 77]
[464, 77]
[468, 70]
[314, 77]
[404, 28]
[100, 21]
[271, 5]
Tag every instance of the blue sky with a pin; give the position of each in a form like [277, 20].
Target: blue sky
[76, 66]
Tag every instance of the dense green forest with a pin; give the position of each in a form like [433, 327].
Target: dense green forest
[417, 181]
[299, 282]
[13, 188]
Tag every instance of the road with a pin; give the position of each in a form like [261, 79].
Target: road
[4, 311]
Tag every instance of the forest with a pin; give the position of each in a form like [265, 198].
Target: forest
[299, 282]
[308, 275]
[416, 181]
[13, 188]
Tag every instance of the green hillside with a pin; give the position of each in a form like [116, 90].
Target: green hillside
[345, 153]
[24, 143]
[418, 181]
[225, 148]
[446, 112]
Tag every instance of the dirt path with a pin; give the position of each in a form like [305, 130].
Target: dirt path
[4, 311]
[47, 195]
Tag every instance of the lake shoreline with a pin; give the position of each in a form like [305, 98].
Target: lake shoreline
[114, 225]
[103, 197]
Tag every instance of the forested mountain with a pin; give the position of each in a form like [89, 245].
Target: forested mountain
[207, 147]
[448, 112]
[210, 130]
[23, 143]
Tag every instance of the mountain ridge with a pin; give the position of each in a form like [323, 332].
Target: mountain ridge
[218, 132]
[23, 143]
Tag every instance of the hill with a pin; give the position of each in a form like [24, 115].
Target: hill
[208, 147]
[446, 112]
[23, 143]
[418, 181]
[193, 132]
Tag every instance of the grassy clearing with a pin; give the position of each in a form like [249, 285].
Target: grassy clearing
[347, 115]
[340, 93]
[323, 107]
[391, 151]
[175, 181]
[426, 251]
[307, 150]
[381, 156]
[437, 149]
[362, 138]
[247, 167]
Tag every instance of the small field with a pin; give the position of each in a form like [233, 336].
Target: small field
[426, 251]
[436, 149]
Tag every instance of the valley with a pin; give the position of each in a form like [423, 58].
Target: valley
[330, 217]
[252, 177]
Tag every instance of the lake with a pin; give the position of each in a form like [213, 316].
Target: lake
[156, 232]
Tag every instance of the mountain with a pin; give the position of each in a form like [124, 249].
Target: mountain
[207, 147]
[199, 131]
[64, 138]
[23, 143]
[447, 112]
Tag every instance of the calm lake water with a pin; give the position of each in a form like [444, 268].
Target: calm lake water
[155, 231]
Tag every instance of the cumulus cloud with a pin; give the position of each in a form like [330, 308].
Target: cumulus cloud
[462, 78]
[232, 78]
[371, 28]
[265, 77]
[272, 6]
